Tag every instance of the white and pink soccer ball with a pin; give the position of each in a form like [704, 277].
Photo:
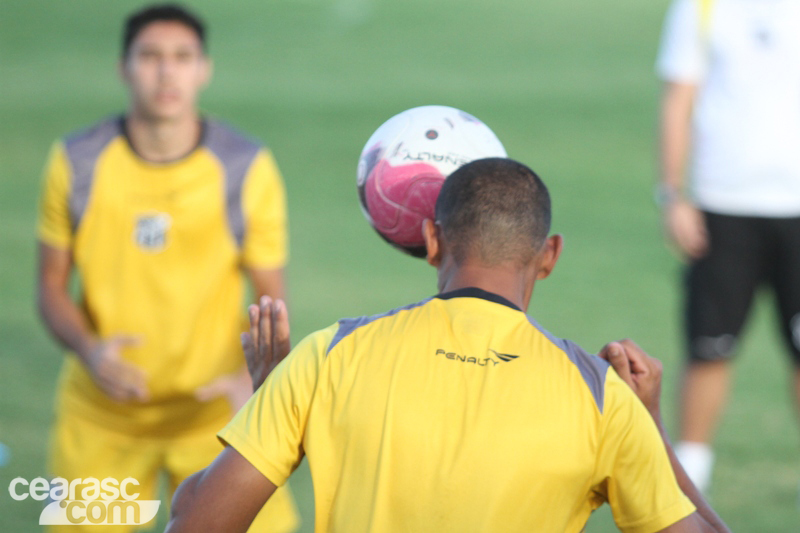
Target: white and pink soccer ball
[405, 162]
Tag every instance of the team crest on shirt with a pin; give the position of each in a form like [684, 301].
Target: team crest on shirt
[151, 229]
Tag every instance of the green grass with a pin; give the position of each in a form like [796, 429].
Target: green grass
[568, 86]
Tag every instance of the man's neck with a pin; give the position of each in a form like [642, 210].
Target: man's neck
[162, 141]
[512, 283]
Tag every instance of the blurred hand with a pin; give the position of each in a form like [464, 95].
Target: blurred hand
[640, 371]
[686, 228]
[267, 343]
[118, 378]
[236, 388]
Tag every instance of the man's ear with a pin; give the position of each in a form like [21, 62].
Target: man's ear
[122, 70]
[432, 234]
[549, 255]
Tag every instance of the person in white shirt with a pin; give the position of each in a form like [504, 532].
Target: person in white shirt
[730, 120]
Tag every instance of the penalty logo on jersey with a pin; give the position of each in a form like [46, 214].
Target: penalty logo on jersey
[479, 361]
[151, 231]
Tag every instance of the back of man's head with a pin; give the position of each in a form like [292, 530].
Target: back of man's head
[494, 211]
[137, 21]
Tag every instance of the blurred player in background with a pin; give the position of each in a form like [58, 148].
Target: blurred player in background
[731, 105]
[160, 213]
[457, 413]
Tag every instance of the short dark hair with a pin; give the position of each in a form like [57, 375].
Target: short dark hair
[496, 210]
[137, 21]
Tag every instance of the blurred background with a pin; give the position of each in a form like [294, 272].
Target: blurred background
[569, 87]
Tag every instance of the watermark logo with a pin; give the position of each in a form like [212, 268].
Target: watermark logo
[88, 501]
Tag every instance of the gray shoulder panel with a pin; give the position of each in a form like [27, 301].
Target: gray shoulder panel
[83, 149]
[349, 325]
[236, 153]
[592, 368]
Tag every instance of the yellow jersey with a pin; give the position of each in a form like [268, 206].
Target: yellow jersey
[458, 413]
[159, 251]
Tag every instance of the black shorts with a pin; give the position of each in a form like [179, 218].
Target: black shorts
[744, 253]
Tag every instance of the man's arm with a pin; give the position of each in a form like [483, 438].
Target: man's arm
[225, 496]
[67, 322]
[677, 102]
[268, 282]
[643, 374]
[59, 313]
[683, 222]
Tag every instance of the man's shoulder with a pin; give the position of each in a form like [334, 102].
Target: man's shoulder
[592, 368]
[347, 326]
[93, 138]
[227, 142]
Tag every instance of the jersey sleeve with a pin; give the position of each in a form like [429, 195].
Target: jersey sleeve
[264, 206]
[684, 44]
[268, 431]
[636, 477]
[54, 227]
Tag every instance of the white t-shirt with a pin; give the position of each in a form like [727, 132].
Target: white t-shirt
[746, 63]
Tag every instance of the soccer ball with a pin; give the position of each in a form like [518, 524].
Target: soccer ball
[404, 163]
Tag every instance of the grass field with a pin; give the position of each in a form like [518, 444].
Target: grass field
[567, 86]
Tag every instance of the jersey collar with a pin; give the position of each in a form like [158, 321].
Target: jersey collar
[474, 292]
[200, 142]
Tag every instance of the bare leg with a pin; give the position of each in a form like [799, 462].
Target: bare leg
[703, 397]
[704, 393]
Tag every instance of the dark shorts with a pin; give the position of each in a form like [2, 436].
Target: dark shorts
[744, 254]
